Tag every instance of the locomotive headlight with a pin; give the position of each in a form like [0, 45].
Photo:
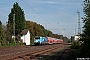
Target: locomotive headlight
[36, 40]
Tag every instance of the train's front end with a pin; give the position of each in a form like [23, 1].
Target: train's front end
[37, 40]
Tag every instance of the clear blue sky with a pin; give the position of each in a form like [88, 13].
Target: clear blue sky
[58, 16]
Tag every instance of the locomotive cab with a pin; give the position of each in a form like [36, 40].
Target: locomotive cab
[38, 40]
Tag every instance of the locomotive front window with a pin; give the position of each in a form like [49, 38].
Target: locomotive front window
[37, 37]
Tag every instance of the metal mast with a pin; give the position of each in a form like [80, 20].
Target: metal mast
[79, 29]
[75, 32]
[14, 27]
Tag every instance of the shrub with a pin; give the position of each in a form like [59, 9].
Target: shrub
[75, 45]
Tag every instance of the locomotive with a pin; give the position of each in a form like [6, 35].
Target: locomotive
[39, 40]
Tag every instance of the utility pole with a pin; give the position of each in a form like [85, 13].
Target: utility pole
[75, 32]
[14, 27]
[79, 29]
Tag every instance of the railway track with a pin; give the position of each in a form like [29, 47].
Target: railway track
[26, 52]
[34, 54]
[64, 55]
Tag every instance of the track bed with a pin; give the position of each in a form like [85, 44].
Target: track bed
[26, 52]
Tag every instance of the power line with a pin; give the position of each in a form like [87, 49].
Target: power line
[34, 10]
[3, 11]
[38, 14]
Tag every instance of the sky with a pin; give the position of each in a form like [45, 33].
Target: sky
[58, 16]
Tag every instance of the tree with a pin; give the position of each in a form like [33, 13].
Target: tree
[37, 29]
[9, 31]
[2, 35]
[86, 32]
[20, 22]
[44, 30]
[65, 39]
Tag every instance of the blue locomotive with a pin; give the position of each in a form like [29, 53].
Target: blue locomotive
[38, 40]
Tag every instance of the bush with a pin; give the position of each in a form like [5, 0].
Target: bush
[75, 45]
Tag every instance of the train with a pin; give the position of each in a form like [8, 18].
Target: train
[39, 40]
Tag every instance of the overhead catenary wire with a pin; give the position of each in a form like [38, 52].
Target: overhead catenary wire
[35, 11]
[3, 11]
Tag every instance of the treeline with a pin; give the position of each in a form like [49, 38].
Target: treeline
[16, 23]
[35, 30]
[39, 30]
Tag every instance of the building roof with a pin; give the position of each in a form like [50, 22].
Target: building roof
[24, 31]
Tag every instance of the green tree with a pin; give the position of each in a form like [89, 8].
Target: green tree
[44, 30]
[2, 35]
[86, 32]
[9, 31]
[20, 22]
[37, 29]
[65, 39]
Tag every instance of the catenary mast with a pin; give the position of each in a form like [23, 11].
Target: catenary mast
[79, 29]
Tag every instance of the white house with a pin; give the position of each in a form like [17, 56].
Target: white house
[76, 38]
[25, 36]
